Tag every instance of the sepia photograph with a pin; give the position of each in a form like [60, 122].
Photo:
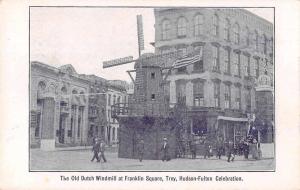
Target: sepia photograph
[151, 89]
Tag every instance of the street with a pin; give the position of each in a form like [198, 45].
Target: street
[79, 160]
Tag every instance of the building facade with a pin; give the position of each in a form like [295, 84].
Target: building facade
[58, 107]
[97, 117]
[235, 46]
[116, 94]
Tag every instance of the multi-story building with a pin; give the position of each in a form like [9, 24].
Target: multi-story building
[58, 106]
[116, 94]
[97, 118]
[236, 47]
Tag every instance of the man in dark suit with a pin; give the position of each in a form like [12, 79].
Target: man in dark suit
[165, 149]
[140, 149]
[96, 149]
[102, 149]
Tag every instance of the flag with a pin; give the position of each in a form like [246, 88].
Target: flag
[185, 61]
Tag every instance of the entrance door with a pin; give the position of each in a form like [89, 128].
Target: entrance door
[61, 138]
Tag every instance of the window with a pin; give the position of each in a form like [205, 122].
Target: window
[166, 28]
[216, 66]
[236, 63]
[215, 25]
[113, 133]
[256, 40]
[257, 68]
[247, 36]
[152, 75]
[199, 93]
[217, 94]
[236, 33]
[152, 96]
[247, 66]
[227, 96]
[265, 42]
[198, 25]
[198, 66]
[227, 61]
[248, 99]
[227, 30]
[238, 97]
[181, 27]
[180, 92]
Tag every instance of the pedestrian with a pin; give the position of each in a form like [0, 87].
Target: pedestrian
[246, 148]
[165, 150]
[219, 147]
[230, 151]
[207, 149]
[96, 149]
[140, 149]
[193, 149]
[102, 149]
[254, 149]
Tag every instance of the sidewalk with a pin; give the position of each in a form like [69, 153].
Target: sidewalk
[74, 148]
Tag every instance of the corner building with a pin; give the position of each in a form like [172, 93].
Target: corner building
[58, 106]
[236, 47]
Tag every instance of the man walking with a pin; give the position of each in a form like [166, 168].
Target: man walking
[165, 150]
[230, 151]
[219, 147]
[140, 149]
[96, 149]
[102, 149]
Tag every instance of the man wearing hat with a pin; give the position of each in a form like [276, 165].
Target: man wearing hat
[165, 149]
[140, 148]
[102, 149]
[96, 149]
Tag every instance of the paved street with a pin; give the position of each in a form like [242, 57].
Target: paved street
[80, 160]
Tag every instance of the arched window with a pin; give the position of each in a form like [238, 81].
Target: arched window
[166, 28]
[236, 33]
[74, 92]
[227, 30]
[256, 39]
[198, 24]
[215, 25]
[64, 90]
[41, 86]
[247, 36]
[181, 27]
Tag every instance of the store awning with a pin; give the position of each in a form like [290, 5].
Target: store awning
[232, 119]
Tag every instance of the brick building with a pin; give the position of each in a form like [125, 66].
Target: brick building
[58, 106]
[236, 47]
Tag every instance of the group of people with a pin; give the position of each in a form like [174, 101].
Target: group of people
[98, 150]
[245, 147]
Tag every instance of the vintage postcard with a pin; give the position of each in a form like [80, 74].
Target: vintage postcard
[183, 96]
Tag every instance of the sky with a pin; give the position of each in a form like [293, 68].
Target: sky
[85, 37]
